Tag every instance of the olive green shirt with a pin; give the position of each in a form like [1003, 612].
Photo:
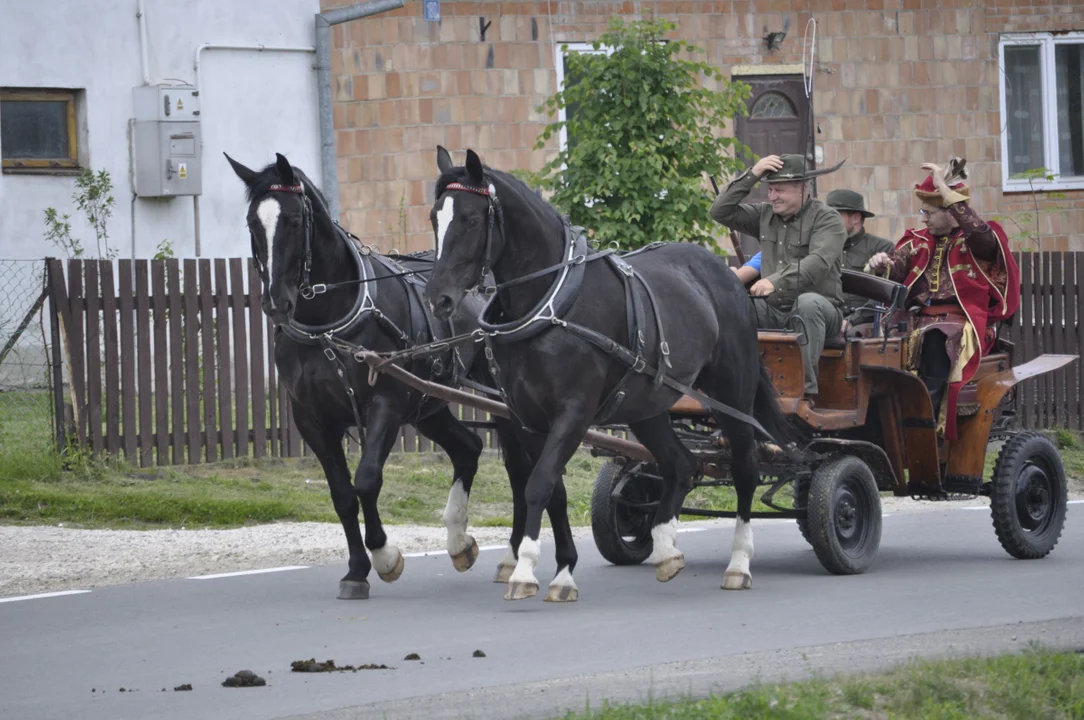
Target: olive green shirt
[857, 250]
[814, 235]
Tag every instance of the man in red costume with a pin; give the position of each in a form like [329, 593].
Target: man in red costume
[963, 280]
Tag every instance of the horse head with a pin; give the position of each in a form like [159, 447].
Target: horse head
[282, 202]
[468, 228]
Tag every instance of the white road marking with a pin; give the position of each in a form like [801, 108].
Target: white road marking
[430, 553]
[249, 572]
[43, 595]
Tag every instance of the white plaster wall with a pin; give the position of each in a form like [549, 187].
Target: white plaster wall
[253, 104]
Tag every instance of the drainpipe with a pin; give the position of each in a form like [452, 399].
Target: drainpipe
[324, 21]
[141, 18]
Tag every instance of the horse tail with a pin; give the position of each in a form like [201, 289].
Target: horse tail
[770, 415]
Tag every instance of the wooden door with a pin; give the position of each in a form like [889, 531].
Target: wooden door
[779, 122]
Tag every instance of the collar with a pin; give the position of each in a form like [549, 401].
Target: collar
[854, 239]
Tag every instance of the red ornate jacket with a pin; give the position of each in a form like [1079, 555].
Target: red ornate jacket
[987, 290]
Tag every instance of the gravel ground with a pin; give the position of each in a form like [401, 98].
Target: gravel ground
[37, 559]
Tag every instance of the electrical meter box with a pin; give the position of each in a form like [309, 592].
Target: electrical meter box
[167, 141]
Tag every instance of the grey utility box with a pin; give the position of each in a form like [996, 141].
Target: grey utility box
[167, 141]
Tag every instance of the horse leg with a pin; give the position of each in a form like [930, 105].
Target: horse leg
[745, 469]
[566, 432]
[329, 451]
[463, 448]
[562, 587]
[381, 429]
[518, 465]
[676, 466]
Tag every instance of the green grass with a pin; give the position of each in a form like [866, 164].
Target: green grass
[39, 486]
[247, 491]
[26, 435]
[1034, 684]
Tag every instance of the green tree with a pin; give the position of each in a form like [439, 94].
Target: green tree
[641, 126]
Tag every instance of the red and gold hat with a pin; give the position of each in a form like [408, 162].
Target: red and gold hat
[927, 193]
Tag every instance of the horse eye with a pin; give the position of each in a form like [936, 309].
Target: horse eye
[473, 222]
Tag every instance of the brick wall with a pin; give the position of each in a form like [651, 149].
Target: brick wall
[899, 83]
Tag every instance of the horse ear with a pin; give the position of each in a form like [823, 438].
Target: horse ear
[248, 177]
[444, 159]
[474, 167]
[286, 173]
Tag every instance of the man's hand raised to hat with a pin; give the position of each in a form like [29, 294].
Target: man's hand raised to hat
[767, 164]
[938, 176]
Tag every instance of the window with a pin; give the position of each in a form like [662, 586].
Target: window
[566, 78]
[773, 105]
[38, 130]
[1042, 110]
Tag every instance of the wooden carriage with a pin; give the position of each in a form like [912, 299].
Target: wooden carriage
[874, 430]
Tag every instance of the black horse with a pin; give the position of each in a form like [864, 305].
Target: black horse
[581, 338]
[313, 271]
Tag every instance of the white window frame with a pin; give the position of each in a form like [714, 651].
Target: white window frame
[559, 64]
[1047, 43]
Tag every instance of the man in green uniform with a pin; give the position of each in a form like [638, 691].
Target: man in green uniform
[801, 243]
[859, 247]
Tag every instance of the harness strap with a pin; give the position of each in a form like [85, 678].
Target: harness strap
[340, 371]
[622, 353]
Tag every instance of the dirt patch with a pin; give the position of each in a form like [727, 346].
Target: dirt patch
[311, 666]
[244, 678]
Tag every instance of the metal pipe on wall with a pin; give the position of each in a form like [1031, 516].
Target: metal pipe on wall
[141, 18]
[324, 21]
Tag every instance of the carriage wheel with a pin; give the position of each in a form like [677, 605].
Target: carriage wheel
[844, 515]
[622, 526]
[1028, 496]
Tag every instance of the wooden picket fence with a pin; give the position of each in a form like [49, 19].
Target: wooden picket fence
[171, 362]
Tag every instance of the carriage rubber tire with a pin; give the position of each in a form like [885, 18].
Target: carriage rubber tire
[844, 518]
[1033, 457]
[604, 522]
[801, 499]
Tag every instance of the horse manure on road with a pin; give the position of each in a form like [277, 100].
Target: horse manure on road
[311, 666]
[479, 653]
[244, 678]
[413, 656]
[183, 687]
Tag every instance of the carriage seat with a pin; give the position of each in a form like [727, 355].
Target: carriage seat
[886, 292]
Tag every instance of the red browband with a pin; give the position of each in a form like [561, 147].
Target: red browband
[289, 188]
[468, 188]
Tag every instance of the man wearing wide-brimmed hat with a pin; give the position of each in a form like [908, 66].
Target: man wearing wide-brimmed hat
[859, 247]
[962, 280]
[801, 244]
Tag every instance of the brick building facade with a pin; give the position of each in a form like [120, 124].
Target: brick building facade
[895, 84]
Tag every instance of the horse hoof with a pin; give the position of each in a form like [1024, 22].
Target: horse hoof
[353, 590]
[669, 568]
[737, 581]
[521, 590]
[562, 593]
[464, 561]
[393, 574]
[504, 573]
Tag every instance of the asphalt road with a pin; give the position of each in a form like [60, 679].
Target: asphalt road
[941, 584]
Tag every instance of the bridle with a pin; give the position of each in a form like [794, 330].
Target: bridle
[303, 286]
[494, 219]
